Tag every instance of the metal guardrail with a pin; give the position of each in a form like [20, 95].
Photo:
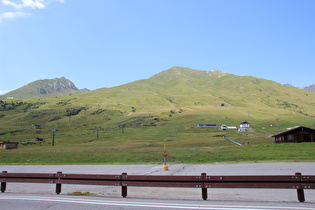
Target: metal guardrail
[298, 181]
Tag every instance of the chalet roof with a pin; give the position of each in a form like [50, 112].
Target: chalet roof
[8, 142]
[300, 128]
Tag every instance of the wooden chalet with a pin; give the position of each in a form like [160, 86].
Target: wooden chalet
[295, 135]
[9, 145]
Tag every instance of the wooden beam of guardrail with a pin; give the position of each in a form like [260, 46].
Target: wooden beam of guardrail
[202, 181]
[284, 182]
[88, 179]
[161, 181]
[297, 182]
[27, 177]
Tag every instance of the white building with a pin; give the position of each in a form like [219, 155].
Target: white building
[244, 124]
[226, 127]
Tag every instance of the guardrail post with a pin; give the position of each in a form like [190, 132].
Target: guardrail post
[300, 192]
[58, 185]
[123, 187]
[3, 184]
[204, 190]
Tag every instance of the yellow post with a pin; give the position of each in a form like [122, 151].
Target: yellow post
[165, 166]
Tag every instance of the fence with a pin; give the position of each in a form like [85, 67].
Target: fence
[297, 182]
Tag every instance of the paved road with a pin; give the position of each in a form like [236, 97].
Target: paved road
[54, 202]
[104, 195]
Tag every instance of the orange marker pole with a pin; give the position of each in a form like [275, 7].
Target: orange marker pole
[165, 166]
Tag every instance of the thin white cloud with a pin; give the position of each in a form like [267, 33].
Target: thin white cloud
[12, 15]
[33, 4]
[22, 5]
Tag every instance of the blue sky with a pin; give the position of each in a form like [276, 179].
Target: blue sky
[106, 43]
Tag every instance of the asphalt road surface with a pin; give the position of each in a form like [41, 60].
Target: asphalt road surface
[53, 202]
[42, 196]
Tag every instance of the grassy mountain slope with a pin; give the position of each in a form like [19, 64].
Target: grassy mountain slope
[182, 87]
[44, 88]
[131, 123]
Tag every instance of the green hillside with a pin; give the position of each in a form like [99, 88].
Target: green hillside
[44, 88]
[131, 123]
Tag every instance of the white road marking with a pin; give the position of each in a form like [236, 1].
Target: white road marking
[151, 205]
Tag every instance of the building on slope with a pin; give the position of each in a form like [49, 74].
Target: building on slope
[295, 135]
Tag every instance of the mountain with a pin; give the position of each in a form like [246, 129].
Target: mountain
[199, 96]
[289, 85]
[134, 121]
[45, 88]
[310, 88]
[187, 87]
